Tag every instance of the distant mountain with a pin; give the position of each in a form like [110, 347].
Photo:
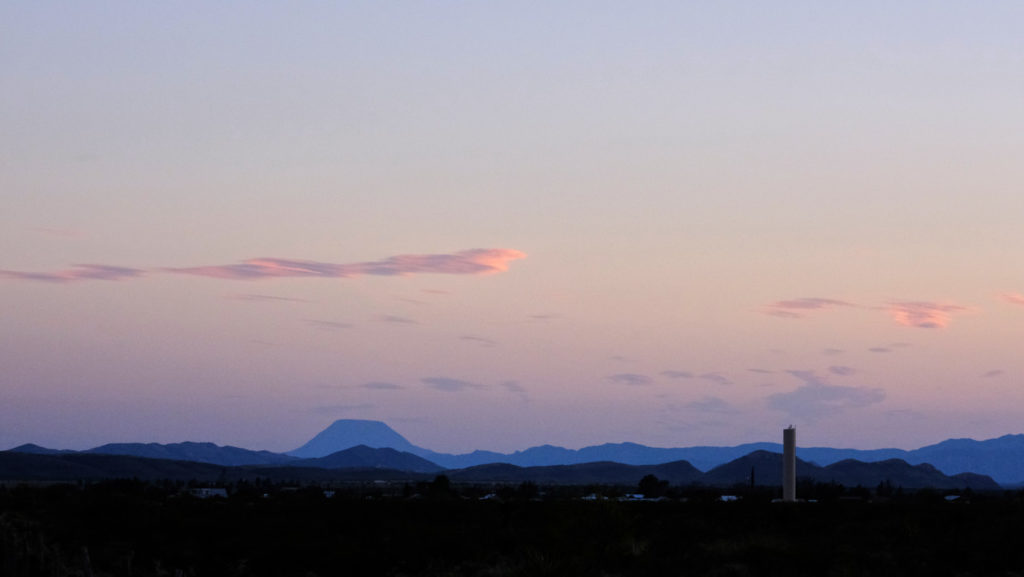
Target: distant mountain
[1001, 459]
[367, 457]
[197, 452]
[37, 450]
[365, 463]
[347, 433]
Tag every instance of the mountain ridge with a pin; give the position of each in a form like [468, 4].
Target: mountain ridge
[364, 463]
[1001, 458]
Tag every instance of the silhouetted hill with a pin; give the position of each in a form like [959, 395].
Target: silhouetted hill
[89, 466]
[766, 466]
[37, 450]
[94, 466]
[602, 472]
[366, 463]
[895, 471]
[367, 457]
[198, 452]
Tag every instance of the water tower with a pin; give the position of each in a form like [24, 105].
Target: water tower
[789, 464]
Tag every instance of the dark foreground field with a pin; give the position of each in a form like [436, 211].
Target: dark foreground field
[135, 529]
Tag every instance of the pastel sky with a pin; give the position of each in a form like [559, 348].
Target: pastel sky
[499, 224]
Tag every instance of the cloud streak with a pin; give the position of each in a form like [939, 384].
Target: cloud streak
[78, 272]
[630, 379]
[711, 405]
[450, 385]
[381, 386]
[467, 262]
[923, 314]
[797, 308]
[1013, 298]
[919, 314]
[263, 298]
[477, 261]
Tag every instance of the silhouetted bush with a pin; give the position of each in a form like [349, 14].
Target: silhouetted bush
[133, 529]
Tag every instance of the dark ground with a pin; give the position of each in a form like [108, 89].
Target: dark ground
[127, 528]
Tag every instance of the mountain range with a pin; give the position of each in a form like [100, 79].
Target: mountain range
[1002, 459]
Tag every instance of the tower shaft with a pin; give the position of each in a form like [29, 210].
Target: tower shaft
[789, 464]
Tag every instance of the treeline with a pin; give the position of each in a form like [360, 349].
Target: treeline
[436, 527]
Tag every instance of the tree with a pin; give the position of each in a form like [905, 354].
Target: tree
[652, 487]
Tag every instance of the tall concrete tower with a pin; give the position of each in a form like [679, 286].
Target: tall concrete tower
[789, 464]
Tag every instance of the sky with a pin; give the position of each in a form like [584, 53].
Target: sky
[494, 225]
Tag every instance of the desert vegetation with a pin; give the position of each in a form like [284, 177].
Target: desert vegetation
[132, 528]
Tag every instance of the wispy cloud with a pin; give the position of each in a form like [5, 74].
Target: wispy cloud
[516, 389]
[328, 325]
[468, 262]
[923, 314]
[78, 272]
[1013, 298]
[798, 308]
[816, 398]
[394, 319]
[992, 374]
[920, 314]
[263, 298]
[842, 371]
[630, 379]
[545, 317]
[711, 405]
[715, 378]
[381, 386]
[484, 342]
[450, 385]
[677, 374]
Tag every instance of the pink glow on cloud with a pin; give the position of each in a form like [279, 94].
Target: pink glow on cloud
[1013, 298]
[472, 262]
[78, 272]
[789, 308]
[923, 314]
[468, 262]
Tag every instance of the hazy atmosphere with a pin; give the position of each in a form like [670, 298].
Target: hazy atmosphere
[495, 225]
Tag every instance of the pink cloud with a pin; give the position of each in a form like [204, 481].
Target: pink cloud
[1013, 298]
[78, 272]
[467, 262]
[472, 262]
[795, 308]
[923, 314]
